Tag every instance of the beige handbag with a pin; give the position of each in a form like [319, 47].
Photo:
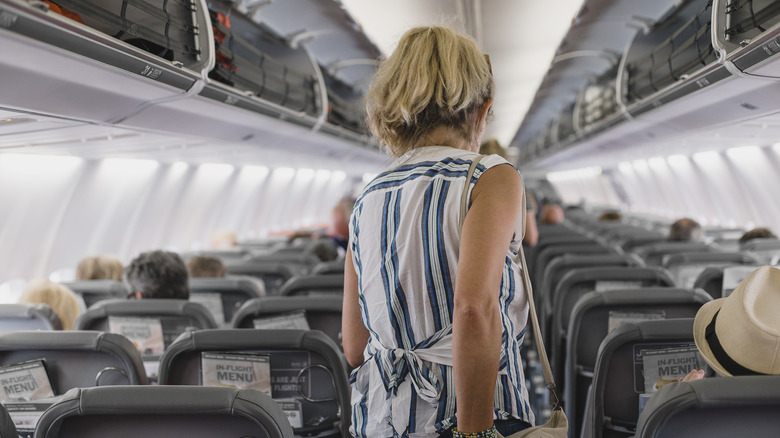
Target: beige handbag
[558, 425]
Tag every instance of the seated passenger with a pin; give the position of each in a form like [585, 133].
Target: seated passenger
[102, 267]
[685, 230]
[611, 216]
[61, 300]
[738, 335]
[158, 274]
[223, 239]
[531, 237]
[551, 214]
[205, 266]
[757, 233]
[340, 226]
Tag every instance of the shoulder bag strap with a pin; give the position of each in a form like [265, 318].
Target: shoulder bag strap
[546, 370]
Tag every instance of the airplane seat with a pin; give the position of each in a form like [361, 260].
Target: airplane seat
[654, 253]
[332, 267]
[579, 282]
[170, 411]
[273, 273]
[7, 426]
[766, 250]
[173, 313]
[613, 407]
[27, 316]
[223, 296]
[93, 291]
[224, 255]
[591, 320]
[308, 372]
[322, 312]
[711, 281]
[551, 252]
[685, 267]
[76, 358]
[714, 408]
[558, 266]
[314, 285]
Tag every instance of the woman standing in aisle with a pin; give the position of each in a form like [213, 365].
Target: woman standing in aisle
[434, 312]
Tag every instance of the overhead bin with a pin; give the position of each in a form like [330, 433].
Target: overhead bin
[147, 64]
[718, 55]
[674, 48]
[746, 34]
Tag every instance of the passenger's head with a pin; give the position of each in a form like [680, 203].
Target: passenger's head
[492, 147]
[100, 267]
[685, 230]
[757, 233]
[611, 216]
[223, 239]
[340, 215]
[435, 78]
[158, 274]
[205, 266]
[740, 334]
[551, 214]
[61, 300]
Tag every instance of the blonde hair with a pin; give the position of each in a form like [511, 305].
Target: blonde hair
[102, 267]
[54, 295]
[435, 77]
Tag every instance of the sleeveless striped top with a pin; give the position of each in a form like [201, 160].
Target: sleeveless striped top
[404, 236]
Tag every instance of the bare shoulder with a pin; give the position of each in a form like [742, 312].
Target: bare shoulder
[500, 179]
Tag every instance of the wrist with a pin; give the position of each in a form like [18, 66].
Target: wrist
[489, 433]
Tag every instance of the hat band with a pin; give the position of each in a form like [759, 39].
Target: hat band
[720, 354]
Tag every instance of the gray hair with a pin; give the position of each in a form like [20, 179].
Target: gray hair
[158, 274]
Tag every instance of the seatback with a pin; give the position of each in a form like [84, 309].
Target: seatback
[744, 406]
[593, 316]
[332, 267]
[308, 361]
[76, 359]
[225, 255]
[170, 411]
[653, 254]
[152, 324]
[685, 267]
[579, 282]
[613, 406]
[223, 296]
[25, 316]
[7, 427]
[322, 312]
[556, 269]
[568, 238]
[551, 252]
[93, 291]
[314, 285]
[273, 273]
[765, 249]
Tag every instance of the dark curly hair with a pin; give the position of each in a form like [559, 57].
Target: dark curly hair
[158, 274]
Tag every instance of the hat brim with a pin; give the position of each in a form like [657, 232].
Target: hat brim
[701, 321]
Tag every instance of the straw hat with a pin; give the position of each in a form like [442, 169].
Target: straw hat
[740, 334]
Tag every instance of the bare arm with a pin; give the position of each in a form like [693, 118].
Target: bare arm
[487, 231]
[354, 335]
[531, 236]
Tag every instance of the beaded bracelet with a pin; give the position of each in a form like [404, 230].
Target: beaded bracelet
[490, 433]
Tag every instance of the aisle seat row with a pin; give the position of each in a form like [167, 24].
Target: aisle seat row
[594, 284]
[303, 372]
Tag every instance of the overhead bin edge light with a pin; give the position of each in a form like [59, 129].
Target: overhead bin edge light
[742, 151]
[706, 158]
[564, 175]
[677, 160]
[216, 169]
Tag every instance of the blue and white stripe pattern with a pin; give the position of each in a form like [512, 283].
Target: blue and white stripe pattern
[404, 240]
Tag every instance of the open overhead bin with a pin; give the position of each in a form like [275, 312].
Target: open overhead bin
[148, 64]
